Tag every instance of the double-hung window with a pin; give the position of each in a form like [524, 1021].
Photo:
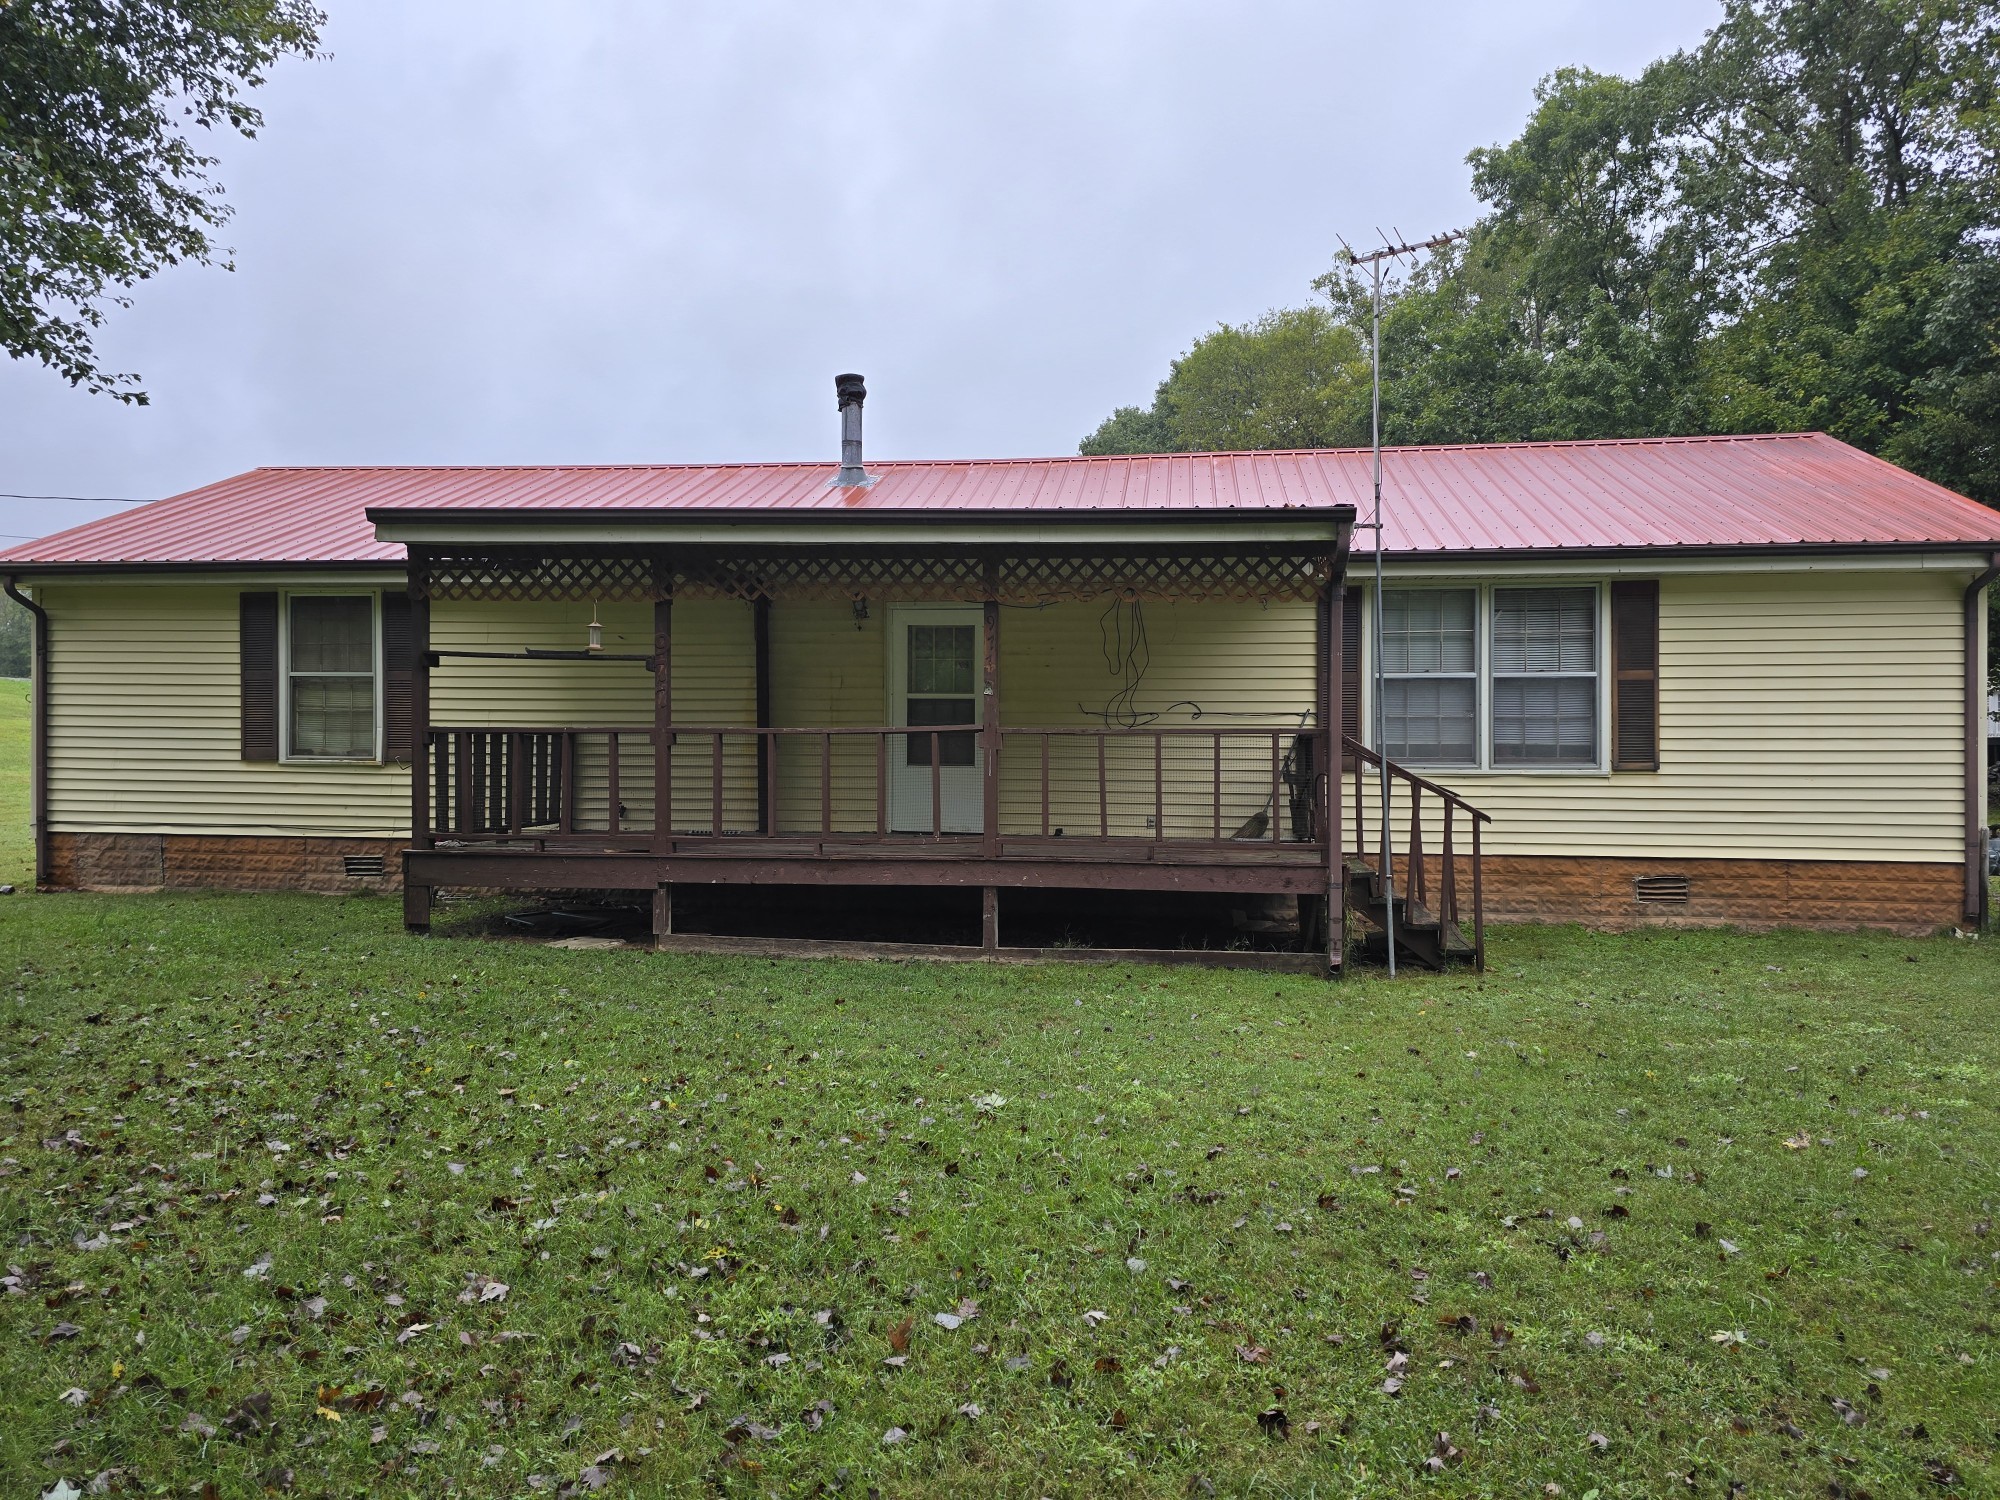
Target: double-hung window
[1430, 676]
[1495, 678]
[330, 694]
[1545, 677]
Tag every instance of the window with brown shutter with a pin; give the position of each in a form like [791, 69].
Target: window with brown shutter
[398, 676]
[1635, 674]
[257, 651]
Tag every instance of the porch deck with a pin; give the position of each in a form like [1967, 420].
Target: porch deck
[574, 809]
[945, 794]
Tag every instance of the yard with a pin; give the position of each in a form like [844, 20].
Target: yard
[292, 1201]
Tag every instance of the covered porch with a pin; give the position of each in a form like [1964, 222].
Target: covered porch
[965, 709]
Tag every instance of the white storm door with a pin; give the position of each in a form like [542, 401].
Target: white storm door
[937, 673]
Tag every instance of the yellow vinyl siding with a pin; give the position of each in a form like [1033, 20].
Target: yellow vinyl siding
[1810, 715]
[828, 670]
[1802, 716]
[1241, 664]
[1209, 666]
[144, 737]
[713, 684]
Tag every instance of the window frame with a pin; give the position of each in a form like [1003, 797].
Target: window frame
[1484, 590]
[286, 754]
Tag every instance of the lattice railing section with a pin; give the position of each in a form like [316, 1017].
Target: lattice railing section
[876, 573]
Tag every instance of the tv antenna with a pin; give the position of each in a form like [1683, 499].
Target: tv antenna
[1394, 249]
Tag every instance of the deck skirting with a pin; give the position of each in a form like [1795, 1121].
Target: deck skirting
[1602, 892]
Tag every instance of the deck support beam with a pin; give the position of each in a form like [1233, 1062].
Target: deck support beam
[663, 913]
[989, 918]
[417, 898]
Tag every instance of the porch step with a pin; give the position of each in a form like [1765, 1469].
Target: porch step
[1422, 936]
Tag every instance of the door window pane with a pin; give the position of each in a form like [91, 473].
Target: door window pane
[953, 749]
[1430, 688]
[941, 659]
[331, 677]
[1545, 676]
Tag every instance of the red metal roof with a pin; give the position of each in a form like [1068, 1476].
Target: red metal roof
[1790, 490]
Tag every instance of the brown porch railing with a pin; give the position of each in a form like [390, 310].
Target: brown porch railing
[1416, 886]
[504, 783]
[1181, 784]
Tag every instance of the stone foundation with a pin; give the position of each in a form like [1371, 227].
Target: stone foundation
[1754, 894]
[220, 862]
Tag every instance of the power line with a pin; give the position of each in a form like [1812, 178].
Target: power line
[85, 499]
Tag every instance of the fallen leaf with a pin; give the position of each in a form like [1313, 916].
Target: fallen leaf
[899, 1336]
[893, 1436]
[1442, 1454]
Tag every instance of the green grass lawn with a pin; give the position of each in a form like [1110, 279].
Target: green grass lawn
[294, 1201]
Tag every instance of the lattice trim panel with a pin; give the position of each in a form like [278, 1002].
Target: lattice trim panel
[523, 576]
[886, 573]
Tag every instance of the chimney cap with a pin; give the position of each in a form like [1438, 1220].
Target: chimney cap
[849, 390]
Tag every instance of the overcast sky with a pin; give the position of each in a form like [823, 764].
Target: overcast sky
[508, 231]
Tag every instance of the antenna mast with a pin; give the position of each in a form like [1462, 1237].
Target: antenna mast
[1373, 260]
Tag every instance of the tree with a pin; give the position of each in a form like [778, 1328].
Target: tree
[1794, 225]
[101, 184]
[1295, 378]
[16, 639]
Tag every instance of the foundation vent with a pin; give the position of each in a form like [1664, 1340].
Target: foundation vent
[1661, 890]
[362, 866]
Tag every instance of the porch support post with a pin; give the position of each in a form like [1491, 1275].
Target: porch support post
[989, 722]
[417, 898]
[989, 918]
[1333, 610]
[663, 706]
[760, 646]
[663, 912]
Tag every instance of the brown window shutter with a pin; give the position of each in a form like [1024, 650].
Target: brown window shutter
[257, 649]
[398, 676]
[1635, 674]
[1350, 672]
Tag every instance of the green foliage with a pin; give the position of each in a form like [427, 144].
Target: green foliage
[1130, 429]
[101, 185]
[1795, 225]
[17, 633]
[1295, 378]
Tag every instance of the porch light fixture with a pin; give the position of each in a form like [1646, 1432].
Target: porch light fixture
[596, 628]
[860, 612]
